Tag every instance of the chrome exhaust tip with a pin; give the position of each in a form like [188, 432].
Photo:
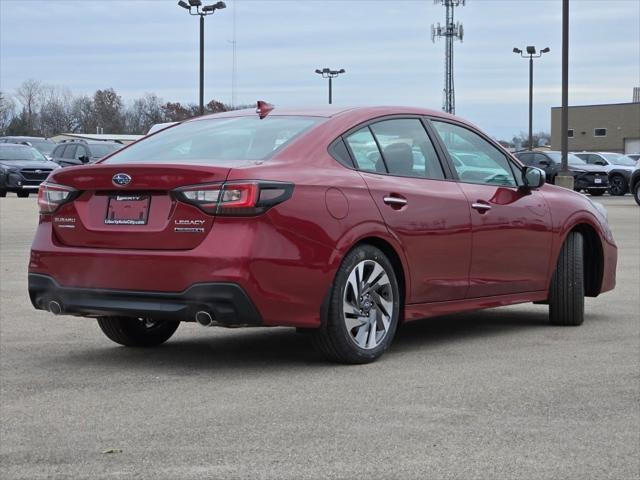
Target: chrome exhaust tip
[204, 318]
[55, 307]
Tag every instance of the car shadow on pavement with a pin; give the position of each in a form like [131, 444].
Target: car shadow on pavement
[199, 349]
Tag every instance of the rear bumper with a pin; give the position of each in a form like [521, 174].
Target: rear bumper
[227, 303]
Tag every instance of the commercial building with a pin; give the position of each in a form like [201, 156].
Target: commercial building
[611, 127]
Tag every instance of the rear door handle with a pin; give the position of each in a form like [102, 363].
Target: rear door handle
[395, 201]
[481, 207]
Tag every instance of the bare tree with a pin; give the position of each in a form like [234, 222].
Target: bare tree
[144, 113]
[29, 94]
[7, 111]
[82, 113]
[56, 111]
[538, 139]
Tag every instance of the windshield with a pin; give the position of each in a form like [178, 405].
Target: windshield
[618, 159]
[102, 150]
[20, 153]
[239, 138]
[572, 159]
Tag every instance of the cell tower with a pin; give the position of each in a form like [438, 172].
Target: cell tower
[450, 31]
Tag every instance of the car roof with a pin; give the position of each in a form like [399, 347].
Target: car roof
[328, 111]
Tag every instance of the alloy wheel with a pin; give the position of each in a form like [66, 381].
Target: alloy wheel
[368, 304]
[617, 185]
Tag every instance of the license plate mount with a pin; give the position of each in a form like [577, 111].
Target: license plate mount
[127, 209]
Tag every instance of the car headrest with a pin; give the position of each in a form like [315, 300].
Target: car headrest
[399, 158]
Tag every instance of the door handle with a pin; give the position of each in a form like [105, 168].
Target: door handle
[395, 201]
[481, 207]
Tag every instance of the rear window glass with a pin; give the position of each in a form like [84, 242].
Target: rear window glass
[205, 141]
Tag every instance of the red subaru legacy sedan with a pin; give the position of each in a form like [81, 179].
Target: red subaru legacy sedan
[343, 222]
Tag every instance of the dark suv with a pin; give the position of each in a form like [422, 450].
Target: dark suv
[592, 178]
[43, 145]
[22, 169]
[77, 152]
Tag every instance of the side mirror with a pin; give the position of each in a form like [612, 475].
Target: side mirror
[533, 177]
[600, 162]
[84, 159]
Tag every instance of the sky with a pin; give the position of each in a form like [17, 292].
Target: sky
[385, 46]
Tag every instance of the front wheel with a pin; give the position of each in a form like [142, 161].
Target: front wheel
[364, 309]
[617, 185]
[566, 295]
[22, 194]
[137, 332]
[595, 192]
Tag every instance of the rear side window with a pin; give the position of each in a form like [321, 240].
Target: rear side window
[407, 149]
[217, 139]
[365, 151]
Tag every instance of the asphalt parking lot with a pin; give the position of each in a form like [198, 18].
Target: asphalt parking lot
[497, 394]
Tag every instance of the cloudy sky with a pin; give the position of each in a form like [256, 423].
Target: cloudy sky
[139, 46]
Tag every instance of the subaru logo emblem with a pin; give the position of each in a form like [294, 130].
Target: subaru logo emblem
[121, 179]
[38, 171]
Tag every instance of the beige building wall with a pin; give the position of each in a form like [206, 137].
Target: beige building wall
[622, 121]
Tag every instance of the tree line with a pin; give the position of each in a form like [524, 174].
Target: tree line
[38, 109]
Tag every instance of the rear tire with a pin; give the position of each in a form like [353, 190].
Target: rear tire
[636, 192]
[3, 193]
[617, 185]
[566, 295]
[137, 332]
[361, 321]
[22, 194]
[595, 192]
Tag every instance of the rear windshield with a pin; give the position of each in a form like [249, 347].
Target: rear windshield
[205, 141]
[19, 152]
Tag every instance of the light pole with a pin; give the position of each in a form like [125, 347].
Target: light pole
[195, 8]
[330, 74]
[531, 54]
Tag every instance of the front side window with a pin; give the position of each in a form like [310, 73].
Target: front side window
[80, 152]
[214, 140]
[407, 149]
[475, 159]
[365, 151]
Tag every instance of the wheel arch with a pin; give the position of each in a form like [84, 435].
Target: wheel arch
[593, 258]
[398, 266]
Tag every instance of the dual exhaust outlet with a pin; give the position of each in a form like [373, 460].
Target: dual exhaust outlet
[203, 317]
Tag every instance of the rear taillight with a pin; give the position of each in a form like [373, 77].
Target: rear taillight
[246, 198]
[51, 196]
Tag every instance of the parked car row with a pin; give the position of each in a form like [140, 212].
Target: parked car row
[25, 162]
[593, 172]
[22, 169]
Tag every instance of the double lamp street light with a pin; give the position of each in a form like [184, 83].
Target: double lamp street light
[330, 74]
[531, 54]
[195, 7]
